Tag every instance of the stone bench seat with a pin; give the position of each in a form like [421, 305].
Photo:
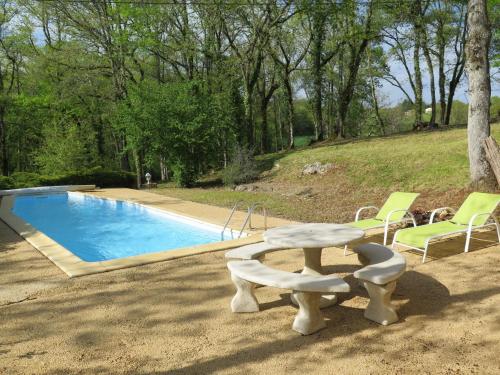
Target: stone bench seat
[382, 268]
[252, 251]
[306, 289]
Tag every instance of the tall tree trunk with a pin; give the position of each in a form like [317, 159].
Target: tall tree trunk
[454, 81]
[137, 163]
[478, 70]
[3, 142]
[280, 127]
[451, 94]
[417, 29]
[248, 108]
[317, 48]
[264, 144]
[266, 97]
[163, 169]
[374, 95]
[458, 68]
[432, 85]
[347, 91]
[418, 78]
[276, 127]
[441, 73]
[290, 113]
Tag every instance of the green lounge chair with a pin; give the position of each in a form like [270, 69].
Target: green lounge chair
[395, 210]
[476, 212]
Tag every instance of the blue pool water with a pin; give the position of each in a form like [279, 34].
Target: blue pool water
[97, 229]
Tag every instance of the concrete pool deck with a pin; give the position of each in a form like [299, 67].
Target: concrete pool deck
[74, 266]
[174, 318]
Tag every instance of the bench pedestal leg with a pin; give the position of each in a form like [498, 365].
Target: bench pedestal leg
[380, 308]
[309, 318]
[244, 299]
[312, 266]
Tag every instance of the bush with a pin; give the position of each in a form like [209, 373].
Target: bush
[242, 169]
[184, 175]
[26, 179]
[95, 176]
[6, 183]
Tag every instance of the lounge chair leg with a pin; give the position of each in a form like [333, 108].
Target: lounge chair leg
[467, 242]
[394, 240]
[244, 300]
[425, 253]
[497, 224]
[380, 308]
[386, 230]
[309, 318]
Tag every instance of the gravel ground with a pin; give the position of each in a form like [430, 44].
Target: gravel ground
[173, 317]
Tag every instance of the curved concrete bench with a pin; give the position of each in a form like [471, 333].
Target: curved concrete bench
[306, 289]
[252, 251]
[383, 267]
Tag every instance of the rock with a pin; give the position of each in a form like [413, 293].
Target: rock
[317, 168]
[246, 188]
[306, 192]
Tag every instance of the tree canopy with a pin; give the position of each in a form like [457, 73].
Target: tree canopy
[174, 86]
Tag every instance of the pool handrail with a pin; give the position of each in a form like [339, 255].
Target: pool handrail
[248, 219]
[228, 220]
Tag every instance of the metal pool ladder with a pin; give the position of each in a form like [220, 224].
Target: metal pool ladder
[248, 218]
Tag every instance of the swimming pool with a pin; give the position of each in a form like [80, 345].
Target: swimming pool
[96, 229]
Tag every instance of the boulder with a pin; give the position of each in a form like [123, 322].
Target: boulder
[317, 168]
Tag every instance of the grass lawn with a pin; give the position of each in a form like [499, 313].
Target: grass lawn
[365, 172]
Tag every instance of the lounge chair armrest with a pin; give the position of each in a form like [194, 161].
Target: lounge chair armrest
[358, 212]
[434, 212]
[475, 216]
[408, 212]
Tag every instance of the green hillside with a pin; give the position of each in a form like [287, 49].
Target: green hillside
[363, 172]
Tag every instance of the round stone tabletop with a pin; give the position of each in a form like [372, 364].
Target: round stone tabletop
[313, 235]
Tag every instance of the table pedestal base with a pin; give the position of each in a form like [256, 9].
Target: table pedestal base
[312, 266]
[326, 300]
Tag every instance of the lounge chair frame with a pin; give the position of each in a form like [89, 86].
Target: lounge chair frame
[470, 227]
[385, 223]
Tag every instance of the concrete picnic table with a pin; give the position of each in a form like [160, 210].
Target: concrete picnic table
[313, 238]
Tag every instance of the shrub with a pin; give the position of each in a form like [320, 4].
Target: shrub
[6, 183]
[242, 169]
[95, 176]
[184, 175]
[26, 179]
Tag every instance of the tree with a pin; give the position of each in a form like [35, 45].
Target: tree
[447, 21]
[248, 30]
[402, 34]
[478, 70]
[266, 87]
[288, 55]
[10, 61]
[355, 49]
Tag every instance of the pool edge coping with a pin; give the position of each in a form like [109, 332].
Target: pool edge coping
[74, 266]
